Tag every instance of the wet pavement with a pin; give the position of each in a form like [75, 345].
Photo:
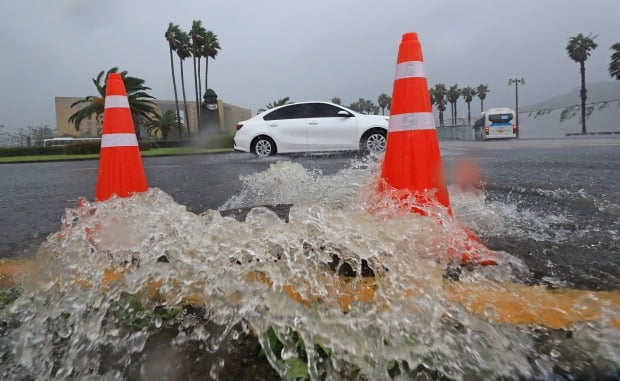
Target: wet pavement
[578, 176]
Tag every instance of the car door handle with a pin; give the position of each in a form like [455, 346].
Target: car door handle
[273, 125]
[312, 123]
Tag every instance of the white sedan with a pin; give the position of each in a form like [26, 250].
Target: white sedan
[311, 126]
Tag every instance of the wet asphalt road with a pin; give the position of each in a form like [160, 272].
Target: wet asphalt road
[33, 196]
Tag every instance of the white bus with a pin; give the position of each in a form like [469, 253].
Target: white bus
[496, 123]
[54, 142]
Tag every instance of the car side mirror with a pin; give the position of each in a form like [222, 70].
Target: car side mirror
[344, 114]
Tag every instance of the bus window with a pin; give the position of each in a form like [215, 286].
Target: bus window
[54, 142]
[500, 118]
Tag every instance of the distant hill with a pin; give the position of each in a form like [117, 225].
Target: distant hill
[548, 124]
[597, 92]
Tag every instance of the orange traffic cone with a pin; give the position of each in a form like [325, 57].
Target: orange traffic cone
[412, 160]
[120, 165]
[412, 164]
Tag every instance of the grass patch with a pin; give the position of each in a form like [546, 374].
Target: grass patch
[182, 151]
[149, 153]
[34, 158]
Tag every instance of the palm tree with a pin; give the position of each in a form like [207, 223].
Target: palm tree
[383, 101]
[336, 100]
[439, 94]
[279, 102]
[454, 93]
[162, 124]
[184, 51]
[614, 64]
[481, 92]
[364, 106]
[210, 48]
[468, 95]
[140, 102]
[197, 37]
[173, 43]
[578, 49]
[431, 94]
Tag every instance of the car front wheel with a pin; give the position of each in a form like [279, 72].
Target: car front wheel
[264, 146]
[374, 142]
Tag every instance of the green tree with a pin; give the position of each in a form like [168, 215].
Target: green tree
[481, 92]
[171, 36]
[431, 95]
[579, 48]
[364, 106]
[197, 34]
[184, 50]
[40, 133]
[614, 63]
[140, 103]
[384, 100]
[336, 100]
[468, 94]
[454, 93]
[210, 48]
[279, 102]
[162, 124]
[439, 93]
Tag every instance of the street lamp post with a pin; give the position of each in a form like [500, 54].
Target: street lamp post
[517, 82]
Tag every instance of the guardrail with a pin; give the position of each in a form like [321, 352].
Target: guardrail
[462, 132]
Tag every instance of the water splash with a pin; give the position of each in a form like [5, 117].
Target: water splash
[114, 280]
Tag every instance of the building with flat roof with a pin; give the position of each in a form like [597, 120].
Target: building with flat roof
[222, 120]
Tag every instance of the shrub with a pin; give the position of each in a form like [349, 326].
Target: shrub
[169, 143]
[82, 148]
[145, 146]
[25, 151]
[220, 141]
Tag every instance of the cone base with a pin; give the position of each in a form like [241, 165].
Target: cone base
[413, 162]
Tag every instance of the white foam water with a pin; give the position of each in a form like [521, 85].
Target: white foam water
[280, 279]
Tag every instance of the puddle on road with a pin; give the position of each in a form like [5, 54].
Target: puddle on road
[78, 319]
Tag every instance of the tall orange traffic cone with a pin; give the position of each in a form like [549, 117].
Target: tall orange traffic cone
[120, 165]
[412, 164]
[412, 160]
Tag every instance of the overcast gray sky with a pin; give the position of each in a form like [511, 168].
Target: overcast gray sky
[306, 50]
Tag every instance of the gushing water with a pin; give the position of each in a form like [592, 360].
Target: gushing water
[343, 290]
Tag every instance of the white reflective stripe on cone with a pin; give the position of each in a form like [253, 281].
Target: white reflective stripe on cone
[116, 101]
[410, 69]
[119, 140]
[411, 121]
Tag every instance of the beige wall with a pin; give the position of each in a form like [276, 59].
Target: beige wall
[229, 116]
[88, 128]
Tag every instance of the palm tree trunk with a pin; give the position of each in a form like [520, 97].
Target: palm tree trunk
[184, 98]
[206, 71]
[176, 97]
[584, 96]
[455, 113]
[481, 105]
[200, 92]
[452, 112]
[196, 93]
[468, 114]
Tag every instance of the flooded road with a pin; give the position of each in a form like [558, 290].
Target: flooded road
[577, 178]
[115, 273]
